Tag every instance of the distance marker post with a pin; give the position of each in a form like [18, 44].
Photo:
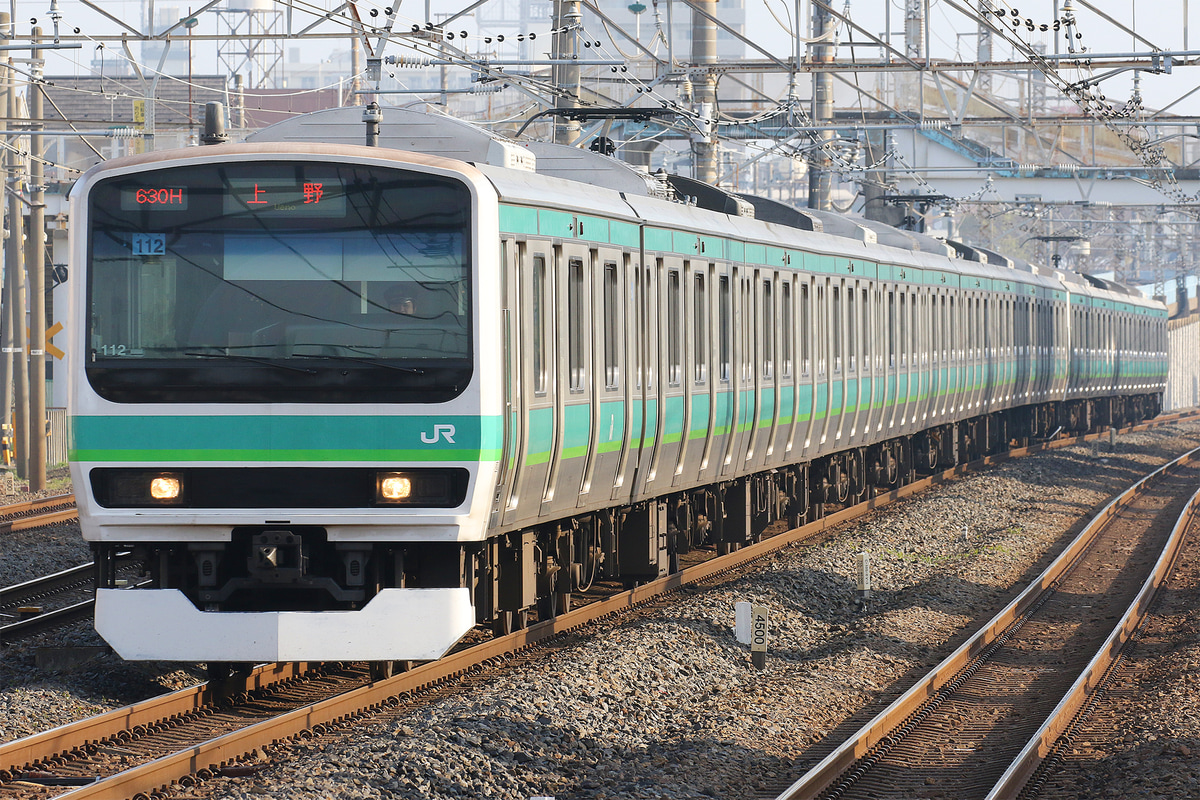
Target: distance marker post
[751, 627]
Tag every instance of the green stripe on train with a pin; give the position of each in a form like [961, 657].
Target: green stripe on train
[328, 438]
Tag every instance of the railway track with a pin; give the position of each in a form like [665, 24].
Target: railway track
[37, 513]
[175, 734]
[981, 723]
[69, 591]
[51, 601]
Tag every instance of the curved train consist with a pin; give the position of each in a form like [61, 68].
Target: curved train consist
[346, 403]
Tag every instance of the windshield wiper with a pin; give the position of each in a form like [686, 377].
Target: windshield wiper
[373, 362]
[255, 360]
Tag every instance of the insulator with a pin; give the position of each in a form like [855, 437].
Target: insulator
[123, 133]
[409, 61]
[934, 124]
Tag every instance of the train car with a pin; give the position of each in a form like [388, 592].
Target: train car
[347, 402]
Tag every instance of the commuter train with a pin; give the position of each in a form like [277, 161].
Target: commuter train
[347, 402]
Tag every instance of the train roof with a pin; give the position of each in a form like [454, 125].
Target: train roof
[594, 182]
[402, 129]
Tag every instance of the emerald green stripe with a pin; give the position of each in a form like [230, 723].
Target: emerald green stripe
[328, 438]
[284, 455]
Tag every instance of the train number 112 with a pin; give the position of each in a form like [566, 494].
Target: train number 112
[149, 244]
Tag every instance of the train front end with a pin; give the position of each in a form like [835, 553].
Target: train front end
[281, 366]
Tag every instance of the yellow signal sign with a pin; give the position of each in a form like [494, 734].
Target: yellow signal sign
[51, 349]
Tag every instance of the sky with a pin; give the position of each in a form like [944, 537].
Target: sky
[1168, 24]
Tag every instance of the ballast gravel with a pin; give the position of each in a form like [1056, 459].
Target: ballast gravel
[669, 705]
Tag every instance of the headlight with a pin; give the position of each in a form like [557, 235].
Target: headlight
[395, 488]
[428, 488]
[132, 488]
[166, 488]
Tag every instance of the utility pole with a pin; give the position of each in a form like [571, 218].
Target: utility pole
[355, 71]
[37, 279]
[6, 306]
[705, 148]
[915, 36]
[15, 256]
[819, 179]
[567, 16]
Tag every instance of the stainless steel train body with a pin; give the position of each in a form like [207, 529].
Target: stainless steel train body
[313, 464]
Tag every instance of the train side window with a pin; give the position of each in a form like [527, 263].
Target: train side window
[929, 315]
[837, 329]
[805, 329]
[913, 332]
[865, 339]
[636, 310]
[642, 277]
[935, 330]
[700, 329]
[878, 342]
[978, 327]
[891, 328]
[575, 326]
[537, 333]
[822, 330]
[768, 329]
[612, 333]
[751, 321]
[787, 329]
[725, 323]
[948, 325]
[852, 329]
[674, 321]
[1006, 328]
[967, 309]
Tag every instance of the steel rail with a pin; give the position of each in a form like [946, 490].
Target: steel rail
[47, 583]
[16, 754]
[46, 620]
[1093, 678]
[38, 519]
[75, 578]
[833, 766]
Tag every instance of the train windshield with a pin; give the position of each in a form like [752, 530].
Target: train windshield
[279, 281]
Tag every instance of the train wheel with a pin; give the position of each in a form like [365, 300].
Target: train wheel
[218, 671]
[381, 670]
[508, 621]
[553, 604]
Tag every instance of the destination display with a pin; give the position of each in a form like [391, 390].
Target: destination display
[159, 198]
[273, 197]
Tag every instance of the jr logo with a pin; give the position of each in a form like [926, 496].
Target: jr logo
[439, 432]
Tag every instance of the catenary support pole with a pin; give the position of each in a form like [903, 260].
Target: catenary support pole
[15, 252]
[567, 76]
[6, 306]
[36, 265]
[819, 178]
[705, 149]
